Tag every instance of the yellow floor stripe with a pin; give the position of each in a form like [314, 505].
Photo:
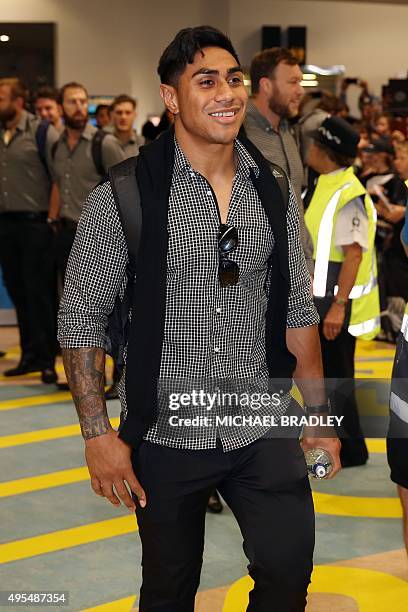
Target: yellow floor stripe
[347, 505]
[374, 445]
[36, 400]
[44, 481]
[66, 538]
[41, 435]
[120, 605]
[369, 590]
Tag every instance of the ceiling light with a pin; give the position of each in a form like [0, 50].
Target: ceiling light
[309, 83]
[336, 70]
[4, 38]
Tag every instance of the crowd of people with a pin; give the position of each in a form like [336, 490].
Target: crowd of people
[346, 187]
[73, 156]
[51, 160]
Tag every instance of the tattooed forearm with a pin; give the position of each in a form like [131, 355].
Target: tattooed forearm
[85, 370]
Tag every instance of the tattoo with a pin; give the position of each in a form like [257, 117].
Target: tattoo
[85, 370]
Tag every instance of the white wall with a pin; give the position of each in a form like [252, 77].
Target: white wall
[113, 46]
[371, 40]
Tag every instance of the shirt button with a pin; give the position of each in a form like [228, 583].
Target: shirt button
[67, 175]
[4, 178]
[218, 310]
[5, 193]
[209, 192]
[192, 174]
[217, 349]
[66, 190]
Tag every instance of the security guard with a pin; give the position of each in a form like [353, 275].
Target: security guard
[397, 438]
[341, 219]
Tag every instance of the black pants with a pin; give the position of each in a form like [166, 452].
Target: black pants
[338, 364]
[64, 241]
[26, 258]
[266, 487]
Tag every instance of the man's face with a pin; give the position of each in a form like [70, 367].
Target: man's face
[316, 157]
[210, 98]
[367, 112]
[382, 126]
[103, 117]
[378, 161]
[123, 116]
[48, 109]
[8, 106]
[284, 90]
[364, 140]
[401, 163]
[75, 108]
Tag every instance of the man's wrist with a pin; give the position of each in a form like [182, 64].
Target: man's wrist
[318, 409]
[340, 301]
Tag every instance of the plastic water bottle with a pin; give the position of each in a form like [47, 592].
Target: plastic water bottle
[319, 462]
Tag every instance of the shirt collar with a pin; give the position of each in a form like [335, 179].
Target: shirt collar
[21, 125]
[245, 162]
[87, 132]
[253, 111]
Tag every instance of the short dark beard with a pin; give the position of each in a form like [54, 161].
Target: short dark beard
[7, 115]
[279, 109]
[75, 124]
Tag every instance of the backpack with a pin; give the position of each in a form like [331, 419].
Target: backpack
[41, 142]
[96, 151]
[126, 194]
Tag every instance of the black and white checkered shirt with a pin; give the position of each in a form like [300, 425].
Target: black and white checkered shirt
[211, 332]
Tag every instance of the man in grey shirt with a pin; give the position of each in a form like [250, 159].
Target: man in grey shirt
[80, 159]
[123, 114]
[25, 236]
[277, 92]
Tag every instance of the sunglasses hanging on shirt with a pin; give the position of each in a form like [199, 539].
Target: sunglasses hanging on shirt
[228, 270]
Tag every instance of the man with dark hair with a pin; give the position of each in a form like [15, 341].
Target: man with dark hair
[123, 114]
[80, 159]
[222, 294]
[342, 221]
[277, 92]
[102, 116]
[47, 106]
[25, 236]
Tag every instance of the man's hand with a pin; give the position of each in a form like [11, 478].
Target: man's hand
[110, 467]
[333, 321]
[331, 445]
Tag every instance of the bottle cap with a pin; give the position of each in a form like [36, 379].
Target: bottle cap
[319, 470]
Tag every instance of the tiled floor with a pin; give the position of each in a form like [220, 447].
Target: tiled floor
[55, 534]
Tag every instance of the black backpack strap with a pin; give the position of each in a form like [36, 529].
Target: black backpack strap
[54, 149]
[277, 172]
[126, 193]
[96, 149]
[41, 142]
[282, 180]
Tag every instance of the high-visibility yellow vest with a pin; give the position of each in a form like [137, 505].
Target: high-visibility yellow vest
[333, 191]
[404, 326]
